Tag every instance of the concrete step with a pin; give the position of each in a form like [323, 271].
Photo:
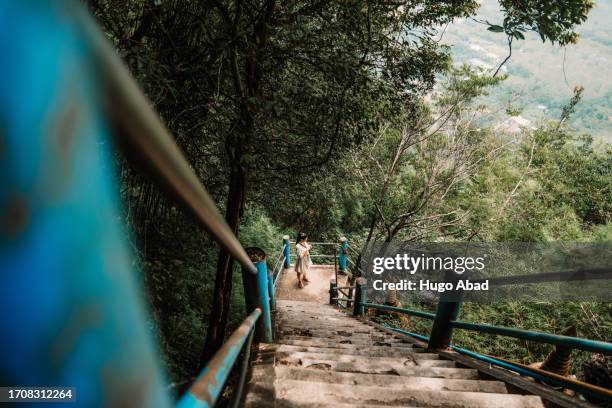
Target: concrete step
[408, 371]
[348, 363]
[345, 344]
[406, 359]
[333, 333]
[293, 303]
[344, 330]
[310, 308]
[259, 399]
[300, 392]
[339, 340]
[389, 381]
[322, 324]
[373, 351]
[315, 316]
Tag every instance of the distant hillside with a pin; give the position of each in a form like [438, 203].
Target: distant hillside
[542, 77]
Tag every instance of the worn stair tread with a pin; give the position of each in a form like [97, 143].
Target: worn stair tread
[281, 373]
[338, 335]
[257, 401]
[397, 370]
[289, 302]
[322, 325]
[410, 359]
[347, 340]
[309, 392]
[324, 329]
[371, 365]
[345, 343]
[343, 331]
[310, 307]
[432, 372]
[372, 351]
[315, 316]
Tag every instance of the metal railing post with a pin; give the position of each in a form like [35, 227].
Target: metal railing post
[342, 251]
[448, 309]
[350, 280]
[336, 265]
[360, 297]
[271, 290]
[333, 292]
[286, 251]
[256, 294]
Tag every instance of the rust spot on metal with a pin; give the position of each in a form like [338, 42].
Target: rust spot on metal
[15, 216]
[62, 126]
[84, 318]
[66, 126]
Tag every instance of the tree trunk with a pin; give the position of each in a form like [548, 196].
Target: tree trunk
[367, 242]
[236, 145]
[223, 279]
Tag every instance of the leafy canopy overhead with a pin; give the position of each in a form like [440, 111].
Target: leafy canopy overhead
[553, 20]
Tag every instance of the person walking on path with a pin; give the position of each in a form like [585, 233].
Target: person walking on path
[302, 265]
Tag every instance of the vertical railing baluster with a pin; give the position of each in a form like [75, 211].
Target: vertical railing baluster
[287, 251]
[271, 290]
[360, 297]
[333, 292]
[257, 294]
[342, 254]
[336, 264]
[448, 309]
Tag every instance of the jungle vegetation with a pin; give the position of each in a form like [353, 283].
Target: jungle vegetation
[344, 118]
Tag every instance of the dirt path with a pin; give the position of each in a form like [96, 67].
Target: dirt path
[316, 291]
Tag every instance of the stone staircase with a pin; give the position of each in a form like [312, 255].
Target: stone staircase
[324, 357]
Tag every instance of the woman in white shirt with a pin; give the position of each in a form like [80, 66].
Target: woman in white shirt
[303, 262]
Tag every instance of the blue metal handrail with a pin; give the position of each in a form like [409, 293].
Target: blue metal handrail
[205, 391]
[411, 312]
[573, 342]
[278, 273]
